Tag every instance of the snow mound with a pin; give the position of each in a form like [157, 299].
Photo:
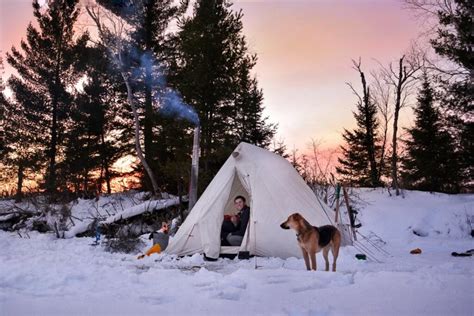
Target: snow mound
[455, 224]
[416, 213]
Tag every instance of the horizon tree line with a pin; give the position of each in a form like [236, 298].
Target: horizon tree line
[436, 153]
[78, 133]
[70, 116]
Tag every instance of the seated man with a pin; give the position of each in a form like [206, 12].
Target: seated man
[233, 230]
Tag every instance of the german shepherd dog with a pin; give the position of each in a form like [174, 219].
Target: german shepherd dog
[312, 239]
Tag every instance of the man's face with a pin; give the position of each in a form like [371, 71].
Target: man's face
[239, 204]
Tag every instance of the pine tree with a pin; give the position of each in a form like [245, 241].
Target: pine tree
[455, 41]
[358, 166]
[3, 122]
[430, 163]
[99, 131]
[455, 37]
[18, 158]
[207, 66]
[250, 125]
[46, 74]
[149, 41]
[212, 73]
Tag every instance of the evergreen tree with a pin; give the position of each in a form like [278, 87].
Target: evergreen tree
[455, 37]
[19, 158]
[250, 125]
[149, 41]
[46, 74]
[455, 41]
[358, 165]
[279, 147]
[430, 163]
[2, 109]
[99, 132]
[212, 73]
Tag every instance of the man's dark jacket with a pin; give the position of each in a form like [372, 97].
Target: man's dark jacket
[244, 221]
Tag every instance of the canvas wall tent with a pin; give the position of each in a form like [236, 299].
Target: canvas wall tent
[273, 189]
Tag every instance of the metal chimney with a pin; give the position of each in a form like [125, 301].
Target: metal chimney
[194, 168]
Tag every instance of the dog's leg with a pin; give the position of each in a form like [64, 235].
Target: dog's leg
[306, 258]
[336, 243]
[335, 253]
[326, 256]
[313, 260]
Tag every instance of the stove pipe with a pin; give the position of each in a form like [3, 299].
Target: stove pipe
[194, 169]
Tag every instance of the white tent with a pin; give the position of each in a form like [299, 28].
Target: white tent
[273, 189]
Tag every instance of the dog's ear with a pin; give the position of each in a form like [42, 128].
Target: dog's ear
[296, 216]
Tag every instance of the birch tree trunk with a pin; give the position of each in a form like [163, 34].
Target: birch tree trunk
[136, 120]
[396, 113]
[403, 80]
[113, 41]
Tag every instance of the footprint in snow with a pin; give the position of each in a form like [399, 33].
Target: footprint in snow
[305, 288]
[140, 268]
[228, 295]
[156, 300]
[203, 284]
[331, 281]
[239, 284]
[276, 280]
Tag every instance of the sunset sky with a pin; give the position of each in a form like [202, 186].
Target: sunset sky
[304, 51]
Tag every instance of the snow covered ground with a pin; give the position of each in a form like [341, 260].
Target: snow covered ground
[48, 276]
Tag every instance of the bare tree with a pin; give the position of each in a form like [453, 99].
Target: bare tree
[431, 7]
[278, 146]
[318, 168]
[402, 77]
[113, 34]
[382, 95]
[295, 159]
[428, 11]
[366, 101]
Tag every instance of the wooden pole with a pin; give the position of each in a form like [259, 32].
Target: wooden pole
[338, 193]
[349, 210]
[255, 240]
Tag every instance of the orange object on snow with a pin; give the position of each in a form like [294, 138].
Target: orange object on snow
[160, 240]
[415, 251]
[156, 248]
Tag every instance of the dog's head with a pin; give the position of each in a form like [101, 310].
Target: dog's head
[294, 221]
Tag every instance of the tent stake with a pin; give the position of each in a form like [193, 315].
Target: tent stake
[255, 238]
[338, 193]
[349, 211]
